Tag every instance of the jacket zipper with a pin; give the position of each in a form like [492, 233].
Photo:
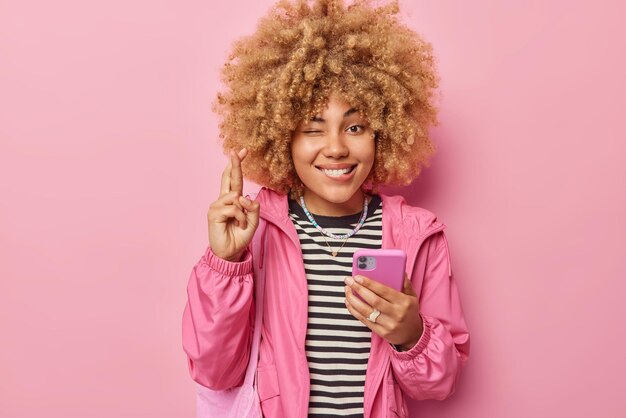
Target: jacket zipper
[367, 410]
[304, 365]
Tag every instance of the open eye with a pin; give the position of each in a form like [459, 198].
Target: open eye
[356, 129]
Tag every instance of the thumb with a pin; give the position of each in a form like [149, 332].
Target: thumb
[253, 208]
[408, 288]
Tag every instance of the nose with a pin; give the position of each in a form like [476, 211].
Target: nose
[335, 146]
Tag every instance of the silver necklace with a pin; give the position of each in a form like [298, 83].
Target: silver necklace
[326, 233]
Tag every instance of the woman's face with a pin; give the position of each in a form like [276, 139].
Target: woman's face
[333, 155]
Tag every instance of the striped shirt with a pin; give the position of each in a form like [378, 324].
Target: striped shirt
[337, 344]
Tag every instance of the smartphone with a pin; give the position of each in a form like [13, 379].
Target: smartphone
[384, 266]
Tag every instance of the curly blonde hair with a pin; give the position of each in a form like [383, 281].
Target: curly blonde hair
[299, 55]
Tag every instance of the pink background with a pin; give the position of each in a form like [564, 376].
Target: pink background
[109, 162]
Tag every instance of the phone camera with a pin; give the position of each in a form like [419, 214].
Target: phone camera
[362, 266]
[362, 259]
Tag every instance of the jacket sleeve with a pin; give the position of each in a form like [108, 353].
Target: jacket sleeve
[218, 320]
[430, 369]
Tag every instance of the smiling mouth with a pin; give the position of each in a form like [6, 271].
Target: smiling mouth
[337, 172]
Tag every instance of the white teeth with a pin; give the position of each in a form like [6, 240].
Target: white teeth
[337, 173]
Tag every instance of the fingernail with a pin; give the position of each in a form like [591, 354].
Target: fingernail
[244, 200]
[358, 279]
[349, 280]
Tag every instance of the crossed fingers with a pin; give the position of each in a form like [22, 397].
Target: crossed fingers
[232, 178]
[231, 186]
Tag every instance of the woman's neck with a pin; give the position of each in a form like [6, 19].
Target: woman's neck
[320, 206]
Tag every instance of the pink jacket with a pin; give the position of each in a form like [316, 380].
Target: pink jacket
[219, 316]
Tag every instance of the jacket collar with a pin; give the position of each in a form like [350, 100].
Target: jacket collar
[414, 221]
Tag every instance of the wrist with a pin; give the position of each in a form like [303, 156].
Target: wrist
[410, 344]
[234, 258]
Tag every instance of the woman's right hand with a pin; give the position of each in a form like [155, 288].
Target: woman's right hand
[232, 218]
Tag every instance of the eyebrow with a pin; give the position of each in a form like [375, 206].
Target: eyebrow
[345, 115]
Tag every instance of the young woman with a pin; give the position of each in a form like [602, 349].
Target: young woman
[324, 103]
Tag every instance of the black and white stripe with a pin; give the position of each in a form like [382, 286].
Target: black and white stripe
[337, 344]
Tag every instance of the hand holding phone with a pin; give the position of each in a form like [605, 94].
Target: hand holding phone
[384, 266]
[401, 323]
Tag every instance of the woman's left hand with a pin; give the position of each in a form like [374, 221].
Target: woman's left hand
[399, 321]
